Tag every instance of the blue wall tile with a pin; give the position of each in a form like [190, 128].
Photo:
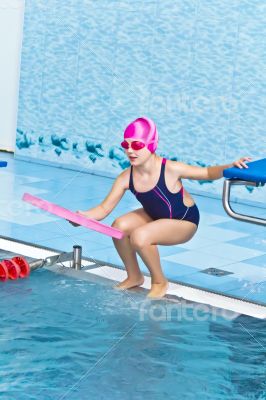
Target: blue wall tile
[195, 67]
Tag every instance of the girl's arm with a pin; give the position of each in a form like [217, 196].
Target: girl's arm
[207, 173]
[108, 204]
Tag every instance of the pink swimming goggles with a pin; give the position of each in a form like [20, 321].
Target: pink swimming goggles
[135, 145]
[143, 133]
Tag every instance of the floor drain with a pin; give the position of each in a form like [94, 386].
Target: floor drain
[216, 272]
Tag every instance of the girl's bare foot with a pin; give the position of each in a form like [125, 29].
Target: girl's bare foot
[130, 283]
[158, 290]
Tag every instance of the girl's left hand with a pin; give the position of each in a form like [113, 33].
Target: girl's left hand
[241, 162]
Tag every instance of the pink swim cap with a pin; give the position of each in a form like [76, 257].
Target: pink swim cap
[143, 129]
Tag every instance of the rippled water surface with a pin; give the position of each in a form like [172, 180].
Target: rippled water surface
[64, 338]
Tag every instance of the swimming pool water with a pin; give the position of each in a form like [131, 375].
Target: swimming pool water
[67, 338]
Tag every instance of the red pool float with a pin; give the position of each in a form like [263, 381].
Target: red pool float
[23, 265]
[12, 268]
[3, 272]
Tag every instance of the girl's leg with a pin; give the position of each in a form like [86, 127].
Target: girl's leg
[163, 231]
[128, 223]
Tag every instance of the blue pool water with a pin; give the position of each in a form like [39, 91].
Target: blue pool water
[67, 338]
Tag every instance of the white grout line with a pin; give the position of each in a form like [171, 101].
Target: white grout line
[26, 250]
[181, 291]
[33, 252]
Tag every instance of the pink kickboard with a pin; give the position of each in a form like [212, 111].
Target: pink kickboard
[73, 217]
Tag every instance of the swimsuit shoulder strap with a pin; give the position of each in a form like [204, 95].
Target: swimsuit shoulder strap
[162, 178]
[131, 184]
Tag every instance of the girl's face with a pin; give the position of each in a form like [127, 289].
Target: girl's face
[136, 152]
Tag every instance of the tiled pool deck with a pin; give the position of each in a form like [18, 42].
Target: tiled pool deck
[220, 242]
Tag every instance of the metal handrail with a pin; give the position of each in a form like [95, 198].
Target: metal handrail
[227, 206]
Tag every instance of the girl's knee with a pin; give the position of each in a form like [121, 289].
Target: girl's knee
[139, 239]
[121, 224]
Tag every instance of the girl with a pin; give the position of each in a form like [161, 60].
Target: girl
[168, 215]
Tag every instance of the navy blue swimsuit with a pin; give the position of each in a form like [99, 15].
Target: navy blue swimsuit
[159, 202]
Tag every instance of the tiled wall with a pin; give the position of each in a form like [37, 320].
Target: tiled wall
[194, 66]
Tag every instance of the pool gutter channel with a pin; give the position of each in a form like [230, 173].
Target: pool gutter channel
[111, 272]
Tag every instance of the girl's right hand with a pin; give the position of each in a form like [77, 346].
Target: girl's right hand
[74, 223]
